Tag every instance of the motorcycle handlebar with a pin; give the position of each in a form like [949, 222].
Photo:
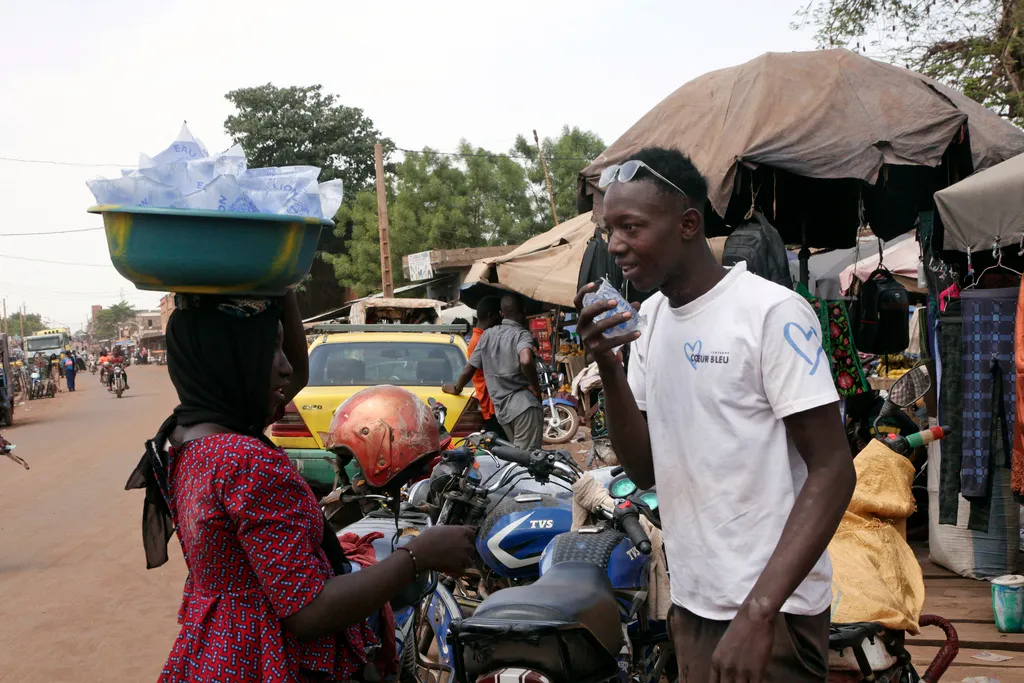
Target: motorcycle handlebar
[635, 532]
[510, 453]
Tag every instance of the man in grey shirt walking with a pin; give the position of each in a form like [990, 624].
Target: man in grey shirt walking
[505, 354]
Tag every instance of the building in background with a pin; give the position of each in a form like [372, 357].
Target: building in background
[166, 308]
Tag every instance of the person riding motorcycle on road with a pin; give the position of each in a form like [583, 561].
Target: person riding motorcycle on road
[116, 359]
[269, 594]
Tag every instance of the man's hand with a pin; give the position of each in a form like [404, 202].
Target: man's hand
[744, 651]
[591, 332]
[450, 389]
[536, 392]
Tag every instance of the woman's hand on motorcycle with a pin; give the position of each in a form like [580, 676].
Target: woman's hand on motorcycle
[591, 331]
[447, 549]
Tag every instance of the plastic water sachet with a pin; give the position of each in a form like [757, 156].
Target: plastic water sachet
[185, 176]
[135, 191]
[223, 194]
[184, 148]
[278, 193]
[330, 198]
[605, 292]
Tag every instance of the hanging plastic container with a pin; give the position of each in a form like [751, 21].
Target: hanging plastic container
[1008, 603]
[210, 252]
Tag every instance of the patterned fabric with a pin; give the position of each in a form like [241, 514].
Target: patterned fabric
[250, 531]
[837, 341]
[241, 307]
[989, 391]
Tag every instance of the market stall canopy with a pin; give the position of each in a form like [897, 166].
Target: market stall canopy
[818, 140]
[826, 268]
[985, 209]
[901, 260]
[545, 267]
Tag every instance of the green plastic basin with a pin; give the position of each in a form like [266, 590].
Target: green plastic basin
[210, 252]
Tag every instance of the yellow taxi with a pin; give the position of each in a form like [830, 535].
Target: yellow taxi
[343, 362]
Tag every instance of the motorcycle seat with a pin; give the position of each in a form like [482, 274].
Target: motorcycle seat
[570, 593]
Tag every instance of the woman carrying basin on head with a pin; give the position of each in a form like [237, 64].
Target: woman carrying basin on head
[267, 596]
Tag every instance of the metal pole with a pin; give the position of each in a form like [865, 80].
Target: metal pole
[547, 178]
[387, 283]
[21, 315]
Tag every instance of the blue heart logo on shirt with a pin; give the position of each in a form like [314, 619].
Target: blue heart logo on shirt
[692, 350]
[803, 345]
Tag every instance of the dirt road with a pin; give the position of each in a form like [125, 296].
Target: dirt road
[77, 601]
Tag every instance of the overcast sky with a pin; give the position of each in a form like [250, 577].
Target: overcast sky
[98, 82]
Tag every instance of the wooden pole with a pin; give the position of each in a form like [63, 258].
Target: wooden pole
[5, 316]
[387, 283]
[544, 165]
[21, 316]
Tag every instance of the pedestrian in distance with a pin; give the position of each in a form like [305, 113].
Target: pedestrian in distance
[505, 355]
[488, 315]
[70, 370]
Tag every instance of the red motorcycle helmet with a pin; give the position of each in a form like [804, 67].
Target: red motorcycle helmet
[386, 429]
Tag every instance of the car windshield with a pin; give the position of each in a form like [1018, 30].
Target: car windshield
[372, 363]
[42, 343]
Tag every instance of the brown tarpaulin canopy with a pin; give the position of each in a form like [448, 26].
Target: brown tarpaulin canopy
[829, 114]
[545, 267]
[985, 209]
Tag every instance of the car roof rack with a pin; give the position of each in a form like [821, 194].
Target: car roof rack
[393, 327]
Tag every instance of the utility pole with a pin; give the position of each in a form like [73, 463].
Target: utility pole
[5, 316]
[544, 165]
[21, 316]
[387, 283]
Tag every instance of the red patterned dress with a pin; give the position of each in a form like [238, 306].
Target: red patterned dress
[250, 530]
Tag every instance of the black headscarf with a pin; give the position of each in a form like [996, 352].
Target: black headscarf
[219, 357]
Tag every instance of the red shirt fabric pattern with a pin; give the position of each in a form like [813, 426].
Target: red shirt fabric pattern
[250, 530]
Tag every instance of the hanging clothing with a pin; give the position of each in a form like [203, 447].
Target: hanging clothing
[837, 341]
[989, 392]
[951, 359]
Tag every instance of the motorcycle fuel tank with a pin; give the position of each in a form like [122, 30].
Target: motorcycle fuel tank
[514, 534]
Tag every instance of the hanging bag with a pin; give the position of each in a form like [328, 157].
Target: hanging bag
[882, 315]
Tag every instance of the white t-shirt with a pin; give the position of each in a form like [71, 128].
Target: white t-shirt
[716, 377]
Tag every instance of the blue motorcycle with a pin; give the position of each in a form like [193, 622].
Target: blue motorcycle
[518, 513]
[584, 619]
[519, 506]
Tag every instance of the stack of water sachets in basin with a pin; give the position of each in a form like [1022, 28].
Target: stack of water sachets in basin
[185, 176]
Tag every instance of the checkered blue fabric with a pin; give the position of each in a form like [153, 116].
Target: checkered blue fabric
[988, 385]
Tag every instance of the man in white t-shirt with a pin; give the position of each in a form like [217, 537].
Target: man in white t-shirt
[729, 406]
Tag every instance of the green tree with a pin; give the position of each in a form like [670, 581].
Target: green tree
[305, 126]
[33, 323]
[976, 46]
[436, 201]
[108, 321]
[566, 156]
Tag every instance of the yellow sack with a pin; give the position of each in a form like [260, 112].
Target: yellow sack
[876, 576]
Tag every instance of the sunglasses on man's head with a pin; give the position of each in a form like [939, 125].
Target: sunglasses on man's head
[626, 171]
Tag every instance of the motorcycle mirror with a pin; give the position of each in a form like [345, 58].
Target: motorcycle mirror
[911, 387]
